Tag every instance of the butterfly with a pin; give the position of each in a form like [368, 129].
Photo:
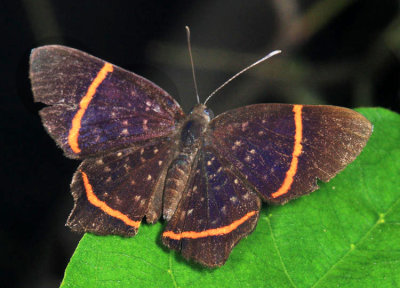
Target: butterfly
[144, 158]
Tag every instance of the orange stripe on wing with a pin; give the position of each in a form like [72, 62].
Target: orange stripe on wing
[211, 232]
[103, 206]
[83, 105]
[287, 182]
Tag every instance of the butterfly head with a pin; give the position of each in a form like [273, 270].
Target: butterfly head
[202, 113]
[196, 125]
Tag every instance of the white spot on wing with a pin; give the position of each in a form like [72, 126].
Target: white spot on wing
[245, 125]
[145, 124]
[156, 108]
[236, 144]
[223, 209]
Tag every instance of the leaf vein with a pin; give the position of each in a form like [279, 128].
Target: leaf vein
[279, 253]
[170, 271]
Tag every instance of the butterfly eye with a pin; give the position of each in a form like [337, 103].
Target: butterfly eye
[209, 112]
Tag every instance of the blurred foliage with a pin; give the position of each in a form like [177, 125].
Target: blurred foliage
[334, 52]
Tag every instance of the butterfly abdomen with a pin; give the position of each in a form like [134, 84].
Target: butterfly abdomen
[177, 177]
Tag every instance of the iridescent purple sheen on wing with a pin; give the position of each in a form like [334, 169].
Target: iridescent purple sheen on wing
[258, 141]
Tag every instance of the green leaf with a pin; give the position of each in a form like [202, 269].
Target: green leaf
[346, 234]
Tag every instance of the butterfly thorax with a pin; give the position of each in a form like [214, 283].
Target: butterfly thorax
[190, 141]
[194, 127]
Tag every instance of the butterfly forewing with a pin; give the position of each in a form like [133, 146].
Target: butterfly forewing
[216, 211]
[114, 192]
[97, 107]
[282, 149]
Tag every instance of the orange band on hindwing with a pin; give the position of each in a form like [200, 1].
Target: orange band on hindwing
[92, 198]
[211, 232]
[83, 105]
[297, 149]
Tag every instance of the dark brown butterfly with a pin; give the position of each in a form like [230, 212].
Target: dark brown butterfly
[144, 158]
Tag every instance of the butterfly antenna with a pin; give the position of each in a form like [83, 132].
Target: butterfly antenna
[273, 53]
[191, 62]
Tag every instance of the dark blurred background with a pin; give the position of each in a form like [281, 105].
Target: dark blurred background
[339, 52]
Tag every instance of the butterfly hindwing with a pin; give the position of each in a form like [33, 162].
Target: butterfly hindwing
[113, 193]
[216, 211]
[281, 149]
[97, 107]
